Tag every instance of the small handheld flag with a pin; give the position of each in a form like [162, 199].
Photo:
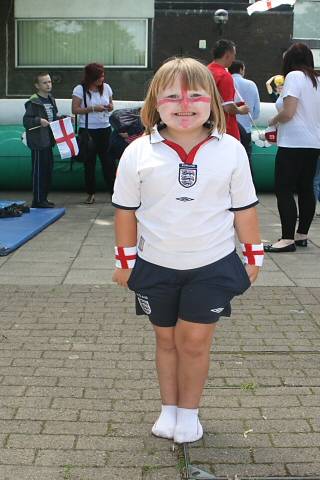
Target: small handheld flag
[264, 5]
[65, 138]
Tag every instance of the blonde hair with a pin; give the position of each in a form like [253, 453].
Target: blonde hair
[278, 80]
[194, 75]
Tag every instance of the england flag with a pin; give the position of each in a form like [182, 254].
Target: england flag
[264, 5]
[65, 138]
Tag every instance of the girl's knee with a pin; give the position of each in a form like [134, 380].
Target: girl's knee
[165, 338]
[193, 345]
[195, 340]
[193, 350]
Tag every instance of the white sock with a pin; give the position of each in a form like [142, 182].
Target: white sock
[188, 428]
[300, 236]
[165, 425]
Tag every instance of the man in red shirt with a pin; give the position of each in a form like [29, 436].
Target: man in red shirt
[224, 53]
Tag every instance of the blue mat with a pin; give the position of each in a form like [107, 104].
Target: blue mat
[15, 231]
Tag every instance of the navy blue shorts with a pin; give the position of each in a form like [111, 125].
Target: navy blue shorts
[199, 295]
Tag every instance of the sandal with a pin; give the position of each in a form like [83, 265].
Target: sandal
[90, 200]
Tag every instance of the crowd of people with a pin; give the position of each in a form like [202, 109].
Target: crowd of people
[183, 190]
[181, 261]
[92, 106]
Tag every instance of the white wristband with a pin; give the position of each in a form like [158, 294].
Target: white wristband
[253, 254]
[125, 256]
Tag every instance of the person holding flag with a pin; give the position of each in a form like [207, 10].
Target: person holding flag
[41, 109]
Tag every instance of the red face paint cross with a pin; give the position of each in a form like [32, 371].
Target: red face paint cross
[185, 99]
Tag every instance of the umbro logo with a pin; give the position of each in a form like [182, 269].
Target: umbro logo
[184, 199]
[217, 310]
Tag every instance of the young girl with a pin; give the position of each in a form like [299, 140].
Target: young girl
[180, 191]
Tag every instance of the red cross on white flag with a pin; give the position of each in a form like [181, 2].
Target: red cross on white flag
[264, 5]
[65, 138]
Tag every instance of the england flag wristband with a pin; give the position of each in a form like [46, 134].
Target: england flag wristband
[252, 254]
[125, 256]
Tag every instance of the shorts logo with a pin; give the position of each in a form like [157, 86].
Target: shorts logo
[187, 175]
[217, 310]
[144, 304]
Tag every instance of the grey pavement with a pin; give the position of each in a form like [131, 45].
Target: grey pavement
[78, 390]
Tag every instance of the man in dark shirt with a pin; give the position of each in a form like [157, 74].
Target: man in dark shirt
[41, 109]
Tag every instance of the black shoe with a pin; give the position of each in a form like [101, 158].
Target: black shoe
[50, 203]
[41, 205]
[90, 199]
[301, 243]
[288, 248]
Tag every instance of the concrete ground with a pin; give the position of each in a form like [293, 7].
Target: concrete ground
[78, 391]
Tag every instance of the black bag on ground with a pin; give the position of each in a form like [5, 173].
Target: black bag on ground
[13, 210]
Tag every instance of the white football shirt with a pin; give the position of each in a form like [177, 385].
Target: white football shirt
[184, 212]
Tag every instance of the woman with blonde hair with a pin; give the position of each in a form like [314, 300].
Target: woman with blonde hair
[180, 192]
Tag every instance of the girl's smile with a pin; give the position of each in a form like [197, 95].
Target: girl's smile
[180, 108]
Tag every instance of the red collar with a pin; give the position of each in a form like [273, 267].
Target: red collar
[187, 158]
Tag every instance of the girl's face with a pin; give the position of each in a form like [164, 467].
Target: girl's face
[181, 109]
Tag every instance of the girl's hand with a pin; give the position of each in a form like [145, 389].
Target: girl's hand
[121, 276]
[252, 271]
[110, 107]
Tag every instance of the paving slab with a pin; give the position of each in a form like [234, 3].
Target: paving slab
[78, 388]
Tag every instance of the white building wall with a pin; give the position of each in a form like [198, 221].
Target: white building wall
[83, 9]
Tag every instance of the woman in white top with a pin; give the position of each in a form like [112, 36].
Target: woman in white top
[298, 123]
[99, 104]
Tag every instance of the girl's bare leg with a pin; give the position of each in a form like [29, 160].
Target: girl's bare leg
[193, 343]
[166, 362]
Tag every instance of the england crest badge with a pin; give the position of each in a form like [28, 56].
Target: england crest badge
[187, 175]
[144, 303]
